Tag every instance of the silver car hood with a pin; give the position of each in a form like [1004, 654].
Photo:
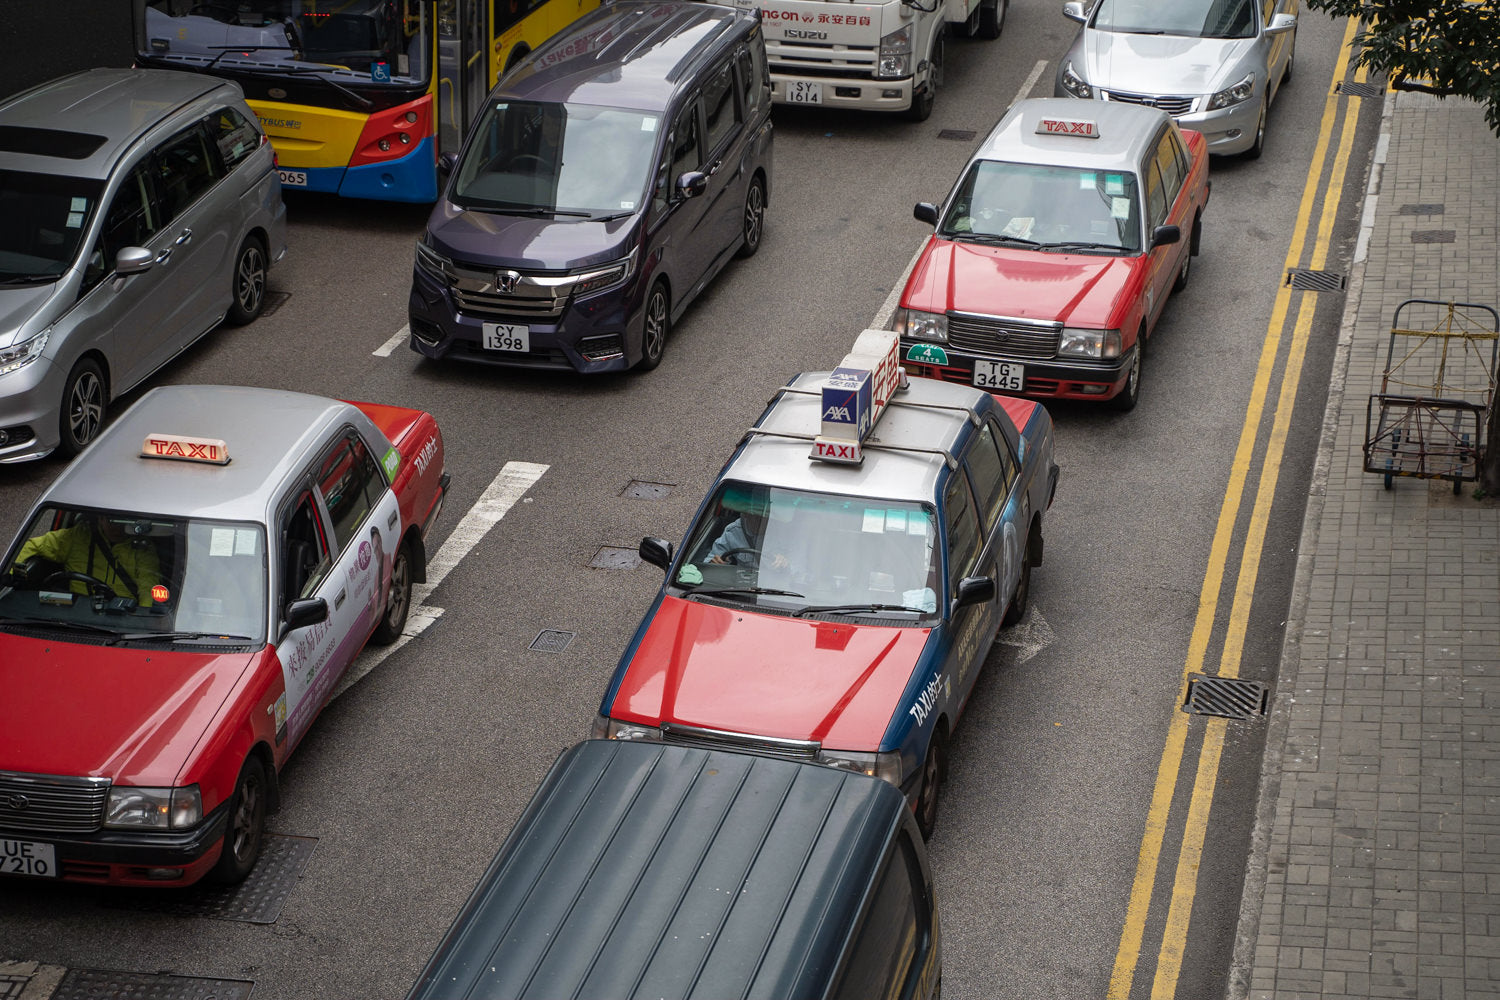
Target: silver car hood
[1162, 64]
[19, 304]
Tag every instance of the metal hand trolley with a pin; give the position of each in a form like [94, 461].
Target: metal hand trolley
[1429, 416]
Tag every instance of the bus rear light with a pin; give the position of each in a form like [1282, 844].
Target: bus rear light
[390, 133]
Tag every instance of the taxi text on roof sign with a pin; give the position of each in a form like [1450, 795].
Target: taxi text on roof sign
[1055, 126]
[855, 395]
[187, 449]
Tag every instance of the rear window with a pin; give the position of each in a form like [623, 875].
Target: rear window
[48, 142]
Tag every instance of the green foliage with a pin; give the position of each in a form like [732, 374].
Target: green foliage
[1443, 47]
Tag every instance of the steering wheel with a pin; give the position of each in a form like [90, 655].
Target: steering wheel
[728, 554]
[227, 13]
[520, 158]
[97, 587]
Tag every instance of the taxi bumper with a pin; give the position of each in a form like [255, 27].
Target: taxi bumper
[135, 858]
[1052, 379]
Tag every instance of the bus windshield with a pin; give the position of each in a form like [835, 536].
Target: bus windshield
[364, 41]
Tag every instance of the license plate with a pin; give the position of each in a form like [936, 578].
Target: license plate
[505, 337]
[1005, 376]
[803, 92]
[293, 178]
[27, 857]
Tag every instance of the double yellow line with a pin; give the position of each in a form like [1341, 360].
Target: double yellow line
[1184, 886]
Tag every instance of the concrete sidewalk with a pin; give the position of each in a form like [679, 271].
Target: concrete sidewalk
[1376, 871]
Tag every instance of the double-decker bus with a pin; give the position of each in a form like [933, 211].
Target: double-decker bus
[359, 97]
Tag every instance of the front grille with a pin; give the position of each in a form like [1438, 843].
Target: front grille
[718, 739]
[1173, 106]
[534, 296]
[52, 803]
[810, 59]
[991, 337]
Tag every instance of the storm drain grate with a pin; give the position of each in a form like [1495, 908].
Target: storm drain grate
[1225, 697]
[1349, 89]
[1434, 236]
[11, 986]
[90, 984]
[1423, 208]
[257, 900]
[550, 640]
[638, 490]
[614, 557]
[1314, 281]
[274, 301]
[957, 134]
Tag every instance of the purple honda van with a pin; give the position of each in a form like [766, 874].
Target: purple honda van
[608, 178]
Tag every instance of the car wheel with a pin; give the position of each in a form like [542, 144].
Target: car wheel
[932, 781]
[1253, 153]
[1131, 394]
[1185, 269]
[247, 825]
[657, 322]
[398, 600]
[754, 224]
[1020, 600]
[84, 402]
[921, 104]
[992, 19]
[249, 282]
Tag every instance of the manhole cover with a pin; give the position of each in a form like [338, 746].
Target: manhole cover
[91, 984]
[958, 134]
[274, 301]
[1314, 281]
[257, 900]
[614, 557]
[638, 490]
[1425, 208]
[551, 641]
[1225, 697]
[1434, 236]
[1349, 89]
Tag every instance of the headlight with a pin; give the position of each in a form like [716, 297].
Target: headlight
[1234, 95]
[1075, 84]
[23, 353]
[432, 262]
[606, 728]
[153, 808]
[592, 281]
[895, 53]
[918, 325]
[885, 766]
[1077, 343]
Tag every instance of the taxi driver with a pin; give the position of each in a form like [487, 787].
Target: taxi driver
[99, 548]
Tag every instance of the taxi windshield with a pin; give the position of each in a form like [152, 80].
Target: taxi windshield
[1046, 207]
[1192, 18]
[128, 577]
[805, 552]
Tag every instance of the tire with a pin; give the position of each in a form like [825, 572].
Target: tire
[753, 225]
[655, 325]
[398, 600]
[1185, 270]
[921, 104]
[250, 268]
[1020, 600]
[1131, 394]
[1253, 153]
[992, 19]
[247, 825]
[85, 401]
[933, 769]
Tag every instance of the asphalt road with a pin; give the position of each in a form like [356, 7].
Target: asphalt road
[412, 777]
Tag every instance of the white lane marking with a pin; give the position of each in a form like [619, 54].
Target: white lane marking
[888, 307]
[385, 349]
[499, 497]
[1028, 637]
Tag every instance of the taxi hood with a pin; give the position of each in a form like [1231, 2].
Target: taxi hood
[1074, 289]
[792, 678]
[133, 715]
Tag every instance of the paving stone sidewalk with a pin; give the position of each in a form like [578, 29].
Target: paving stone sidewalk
[1377, 872]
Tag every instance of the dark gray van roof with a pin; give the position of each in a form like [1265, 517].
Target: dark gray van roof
[619, 54]
[665, 871]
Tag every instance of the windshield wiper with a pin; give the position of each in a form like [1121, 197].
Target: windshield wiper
[992, 238]
[61, 623]
[224, 50]
[611, 217]
[1080, 245]
[179, 637]
[854, 609]
[28, 279]
[747, 590]
[536, 213]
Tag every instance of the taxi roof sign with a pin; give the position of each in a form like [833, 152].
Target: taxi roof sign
[856, 393]
[1082, 127]
[213, 451]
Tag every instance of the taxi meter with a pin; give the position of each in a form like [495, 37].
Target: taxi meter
[855, 394]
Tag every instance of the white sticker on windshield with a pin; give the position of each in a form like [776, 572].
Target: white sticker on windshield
[221, 542]
[1114, 184]
[895, 520]
[874, 520]
[244, 542]
[75, 219]
[648, 124]
[628, 206]
[1119, 208]
[916, 526]
[78, 205]
[1087, 182]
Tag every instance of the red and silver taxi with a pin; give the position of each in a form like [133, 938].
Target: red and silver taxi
[178, 607]
[1056, 251]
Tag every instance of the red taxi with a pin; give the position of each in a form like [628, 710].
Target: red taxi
[179, 606]
[1056, 251]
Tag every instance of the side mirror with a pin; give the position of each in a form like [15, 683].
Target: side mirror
[1281, 23]
[656, 551]
[1165, 236]
[1073, 11]
[305, 611]
[133, 260]
[447, 162]
[692, 184]
[925, 211]
[974, 590]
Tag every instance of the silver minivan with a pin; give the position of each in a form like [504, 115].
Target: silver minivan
[138, 209]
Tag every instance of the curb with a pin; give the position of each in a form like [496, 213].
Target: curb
[1252, 899]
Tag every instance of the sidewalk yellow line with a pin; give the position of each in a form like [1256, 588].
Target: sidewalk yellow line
[1128, 953]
